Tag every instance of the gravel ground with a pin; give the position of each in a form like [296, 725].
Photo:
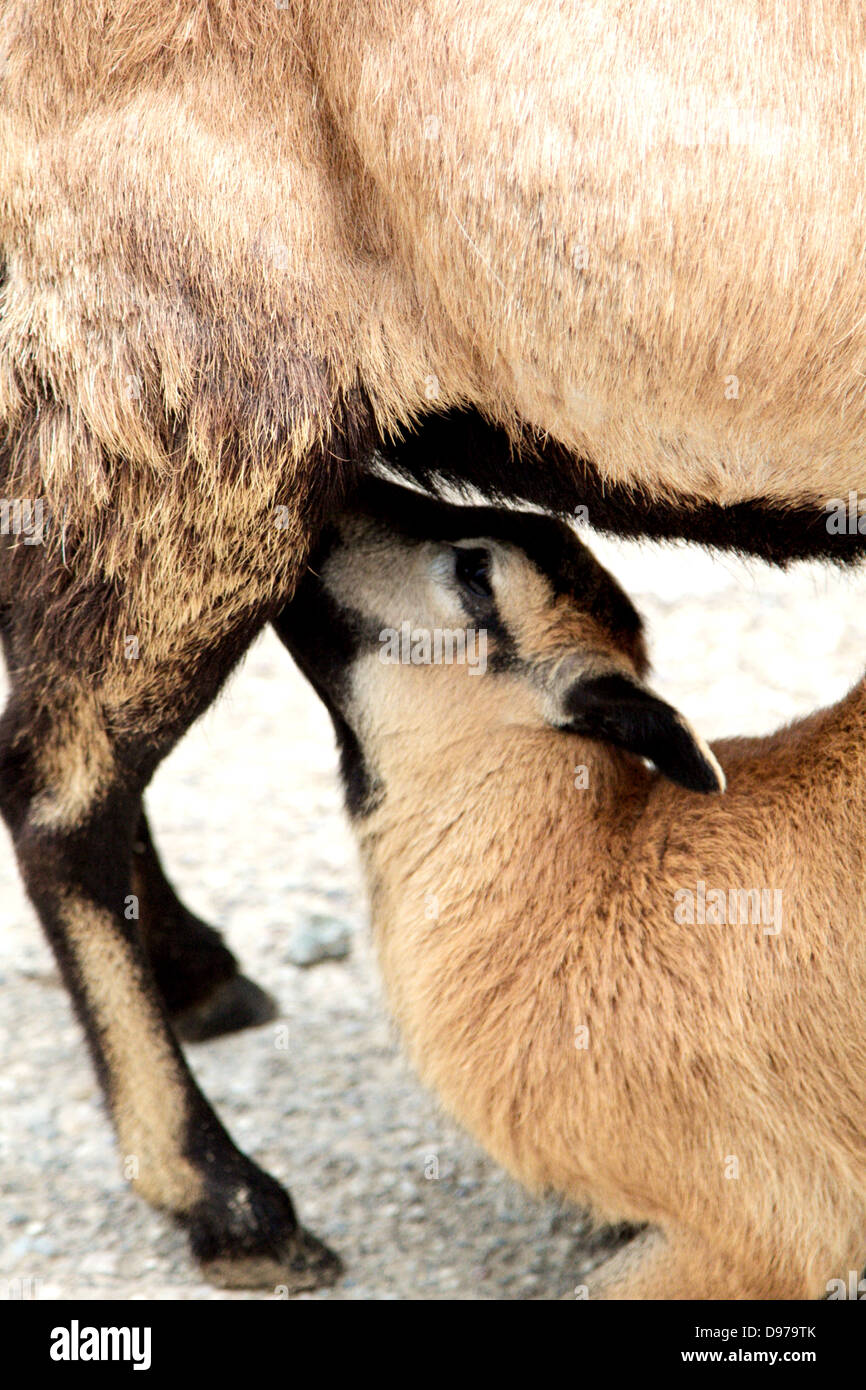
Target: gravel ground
[247, 814]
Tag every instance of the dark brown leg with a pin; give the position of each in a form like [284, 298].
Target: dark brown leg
[205, 993]
[75, 756]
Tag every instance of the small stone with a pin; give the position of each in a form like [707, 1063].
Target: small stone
[98, 1262]
[32, 1245]
[318, 939]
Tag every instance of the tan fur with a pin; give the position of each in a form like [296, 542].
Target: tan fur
[719, 1095]
[591, 217]
[75, 764]
[146, 1099]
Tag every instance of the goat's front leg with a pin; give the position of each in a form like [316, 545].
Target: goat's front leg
[70, 790]
[197, 974]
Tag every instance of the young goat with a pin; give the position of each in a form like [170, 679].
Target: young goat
[647, 1000]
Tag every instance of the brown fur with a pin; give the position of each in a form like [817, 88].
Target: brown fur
[512, 909]
[252, 214]
[240, 245]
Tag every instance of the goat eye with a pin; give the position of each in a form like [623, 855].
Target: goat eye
[472, 569]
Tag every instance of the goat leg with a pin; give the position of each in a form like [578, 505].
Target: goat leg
[74, 760]
[198, 976]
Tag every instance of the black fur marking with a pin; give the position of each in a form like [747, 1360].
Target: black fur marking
[189, 959]
[482, 614]
[462, 448]
[618, 711]
[324, 640]
[549, 543]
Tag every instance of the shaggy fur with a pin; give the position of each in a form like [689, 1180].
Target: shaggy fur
[244, 245]
[704, 1076]
[230, 229]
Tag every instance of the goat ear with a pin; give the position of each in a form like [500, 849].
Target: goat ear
[623, 712]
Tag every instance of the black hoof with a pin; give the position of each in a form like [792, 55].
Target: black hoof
[235, 1004]
[245, 1235]
[301, 1262]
